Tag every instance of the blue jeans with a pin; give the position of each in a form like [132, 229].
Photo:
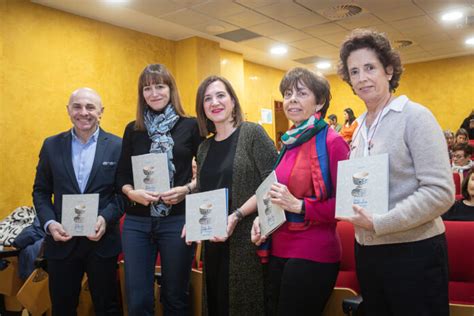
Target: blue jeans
[142, 239]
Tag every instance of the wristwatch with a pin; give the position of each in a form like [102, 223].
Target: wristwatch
[238, 213]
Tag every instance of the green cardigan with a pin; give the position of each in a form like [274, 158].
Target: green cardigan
[254, 159]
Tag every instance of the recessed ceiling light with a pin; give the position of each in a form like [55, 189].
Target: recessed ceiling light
[323, 65]
[470, 41]
[279, 50]
[452, 16]
[115, 1]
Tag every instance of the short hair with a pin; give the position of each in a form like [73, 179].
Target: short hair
[465, 147]
[462, 131]
[332, 117]
[351, 115]
[379, 44]
[465, 183]
[207, 126]
[156, 74]
[316, 83]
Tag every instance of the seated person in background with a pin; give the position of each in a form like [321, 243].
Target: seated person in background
[332, 120]
[462, 136]
[462, 159]
[463, 210]
[449, 141]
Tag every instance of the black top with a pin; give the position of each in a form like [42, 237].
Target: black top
[186, 139]
[216, 171]
[459, 212]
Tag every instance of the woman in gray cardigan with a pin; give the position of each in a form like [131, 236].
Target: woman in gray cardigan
[238, 156]
[401, 255]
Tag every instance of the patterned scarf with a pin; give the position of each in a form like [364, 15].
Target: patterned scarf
[159, 126]
[296, 136]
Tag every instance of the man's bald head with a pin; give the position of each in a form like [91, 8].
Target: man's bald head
[85, 92]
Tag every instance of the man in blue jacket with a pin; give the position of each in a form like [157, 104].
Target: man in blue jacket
[81, 160]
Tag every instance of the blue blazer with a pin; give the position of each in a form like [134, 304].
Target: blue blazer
[55, 176]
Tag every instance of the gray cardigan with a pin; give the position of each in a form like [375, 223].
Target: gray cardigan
[420, 180]
[255, 157]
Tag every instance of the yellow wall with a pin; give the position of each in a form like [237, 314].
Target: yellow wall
[445, 86]
[44, 55]
[232, 68]
[261, 89]
[198, 58]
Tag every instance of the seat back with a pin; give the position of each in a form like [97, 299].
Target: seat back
[457, 185]
[460, 240]
[347, 277]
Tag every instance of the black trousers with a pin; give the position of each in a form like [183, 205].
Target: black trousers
[404, 279]
[298, 286]
[65, 278]
[216, 263]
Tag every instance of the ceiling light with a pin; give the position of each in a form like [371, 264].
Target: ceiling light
[323, 65]
[224, 61]
[452, 16]
[279, 50]
[115, 1]
[470, 41]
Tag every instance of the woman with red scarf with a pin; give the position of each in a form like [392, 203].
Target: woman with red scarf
[305, 252]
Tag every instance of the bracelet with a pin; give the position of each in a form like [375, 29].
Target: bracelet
[190, 190]
[238, 213]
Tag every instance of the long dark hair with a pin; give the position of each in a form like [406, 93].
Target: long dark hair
[156, 74]
[206, 126]
[351, 115]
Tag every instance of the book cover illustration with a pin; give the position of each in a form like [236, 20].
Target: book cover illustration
[364, 182]
[79, 213]
[206, 215]
[271, 216]
[150, 172]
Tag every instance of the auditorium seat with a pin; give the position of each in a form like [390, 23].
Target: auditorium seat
[457, 185]
[460, 240]
[347, 286]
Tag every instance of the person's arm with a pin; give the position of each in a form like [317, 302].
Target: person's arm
[114, 210]
[435, 193]
[43, 188]
[42, 196]
[263, 153]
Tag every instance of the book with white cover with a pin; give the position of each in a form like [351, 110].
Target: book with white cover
[150, 172]
[364, 182]
[271, 216]
[79, 213]
[206, 215]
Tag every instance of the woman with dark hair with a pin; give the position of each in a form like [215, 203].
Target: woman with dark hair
[461, 137]
[350, 125]
[463, 210]
[401, 256]
[305, 251]
[154, 221]
[238, 156]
